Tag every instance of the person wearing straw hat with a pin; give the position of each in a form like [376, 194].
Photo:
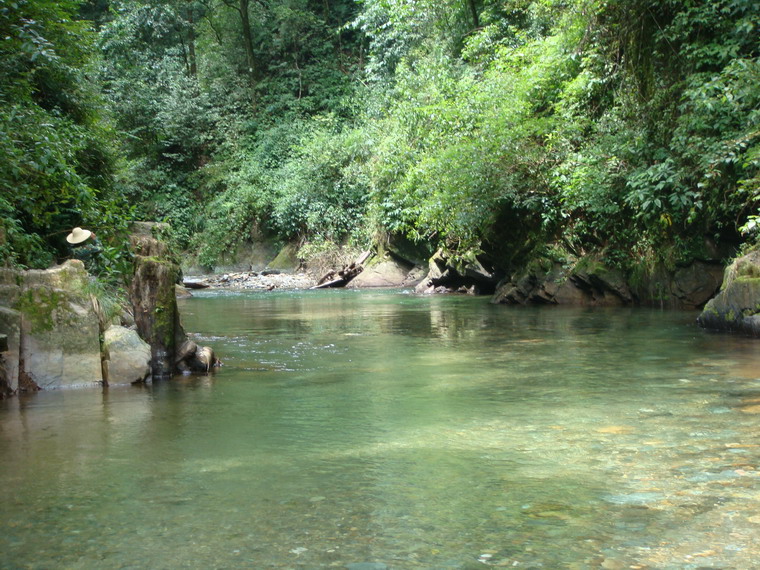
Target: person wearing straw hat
[84, 246]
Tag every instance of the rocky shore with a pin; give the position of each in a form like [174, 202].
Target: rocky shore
[263, 280]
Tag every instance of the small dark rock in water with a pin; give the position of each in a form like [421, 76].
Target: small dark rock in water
[367, 566]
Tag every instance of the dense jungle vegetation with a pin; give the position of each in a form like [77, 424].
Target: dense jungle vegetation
[627, 128]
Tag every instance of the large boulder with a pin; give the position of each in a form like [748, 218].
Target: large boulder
[128, 355]
[736, 308]
[468, 274]
[58, 329]
[10, 326]
[154, 301]
[153, 297]
[387, 273]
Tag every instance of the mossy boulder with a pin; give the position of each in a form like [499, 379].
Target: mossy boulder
[155, 308]
[53, 328]
[153, 295]
[736, 308]
[387, 272]
[585, 282]
[286, 260]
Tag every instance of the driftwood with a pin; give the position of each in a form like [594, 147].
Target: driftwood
[193, 284]
[341, 278]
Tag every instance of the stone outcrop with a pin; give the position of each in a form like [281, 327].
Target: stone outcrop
[445, 275]
[52, 326]
[736, 308]
[155, 308]
[126, 354]
[254, 255]
[589, 282]
[153, 297]
[388, 272]
[5, 386]
[286, 260]
[10, 326]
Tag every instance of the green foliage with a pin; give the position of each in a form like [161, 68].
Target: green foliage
[624, 128]
[55, 158]
[301, 183]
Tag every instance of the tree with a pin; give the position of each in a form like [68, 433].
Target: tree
[55, 162]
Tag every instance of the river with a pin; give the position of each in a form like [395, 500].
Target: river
[381, 429]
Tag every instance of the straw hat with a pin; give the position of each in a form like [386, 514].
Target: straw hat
[78, 235]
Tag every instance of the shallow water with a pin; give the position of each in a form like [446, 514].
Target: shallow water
[414, 432]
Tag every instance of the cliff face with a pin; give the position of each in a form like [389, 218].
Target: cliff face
[588, 282]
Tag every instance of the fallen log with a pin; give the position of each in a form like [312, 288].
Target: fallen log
[339, 282]
[329, 276]
[194, 284]
[341, 278]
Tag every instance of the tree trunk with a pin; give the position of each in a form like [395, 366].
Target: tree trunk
[191, 39]
[247, 39]
[475, 18]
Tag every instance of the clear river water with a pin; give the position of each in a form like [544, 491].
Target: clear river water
[378, 429]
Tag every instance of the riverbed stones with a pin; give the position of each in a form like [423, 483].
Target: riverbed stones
[736, 308]
[128, 355]
[258, 281]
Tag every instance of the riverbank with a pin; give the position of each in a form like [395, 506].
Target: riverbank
[264, 280]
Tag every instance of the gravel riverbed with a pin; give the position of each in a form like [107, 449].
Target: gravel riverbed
[265, 280]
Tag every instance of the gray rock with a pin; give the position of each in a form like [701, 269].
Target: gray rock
[589, 282]
[53, 327]
[467, 275]
[737, 307]
[60, 339]
[696, 284]
[388, 273]
[128, 355]
[10, 325]
[182, 292]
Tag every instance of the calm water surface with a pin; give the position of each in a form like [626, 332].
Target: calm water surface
[412, 432]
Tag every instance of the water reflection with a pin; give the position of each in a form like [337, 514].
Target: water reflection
[414, 431]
